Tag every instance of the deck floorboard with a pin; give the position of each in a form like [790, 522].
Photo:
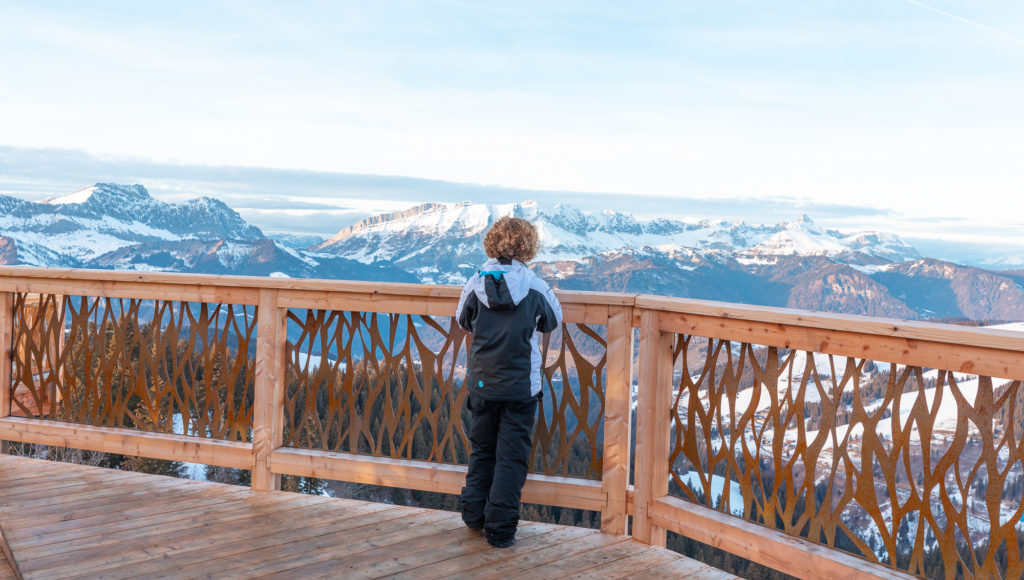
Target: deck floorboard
[62, 520]
[6, 572]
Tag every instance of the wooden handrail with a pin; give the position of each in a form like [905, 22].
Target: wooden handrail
[662, 323]
[16, 278]
[304, 292]
[865, 325]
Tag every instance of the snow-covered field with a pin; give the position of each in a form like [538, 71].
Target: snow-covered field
[313, 362]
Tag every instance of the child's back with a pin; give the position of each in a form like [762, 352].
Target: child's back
[504, 305]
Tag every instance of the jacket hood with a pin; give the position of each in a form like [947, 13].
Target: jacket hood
[502, 284]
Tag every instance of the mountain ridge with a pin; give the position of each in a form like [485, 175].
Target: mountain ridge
[788, 264]
[794, 264]
[112, 226]
[568, 234]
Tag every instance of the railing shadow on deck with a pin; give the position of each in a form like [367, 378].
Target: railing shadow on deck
[814, 444]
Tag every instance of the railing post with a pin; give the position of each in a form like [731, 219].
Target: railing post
[268, 398]
[6, 348]
[617, 418]
[654, 399]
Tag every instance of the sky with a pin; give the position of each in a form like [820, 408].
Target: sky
[912, 110]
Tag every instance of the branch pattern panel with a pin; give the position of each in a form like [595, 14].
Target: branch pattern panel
[153, 365]
[390, 385]
[913, 468]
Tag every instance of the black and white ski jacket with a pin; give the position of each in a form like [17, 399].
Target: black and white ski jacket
[505, 305]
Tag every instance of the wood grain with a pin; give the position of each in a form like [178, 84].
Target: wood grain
[8, 565]
[128, 442]
[618, 412]
[940, 354]
[774, 549]
[654, 397]
[190, 286]
[426, 476]
[728, 313]
[129, 525]
[268, 392]
[6, 346]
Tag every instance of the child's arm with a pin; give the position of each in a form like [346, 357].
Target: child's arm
[550, 316]
[465, 313]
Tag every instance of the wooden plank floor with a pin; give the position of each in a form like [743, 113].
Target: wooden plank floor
[6, 572]
[70, 521]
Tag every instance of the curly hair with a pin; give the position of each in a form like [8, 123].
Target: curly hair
[512, 238]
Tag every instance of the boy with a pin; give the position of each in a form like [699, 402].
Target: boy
[504, 305]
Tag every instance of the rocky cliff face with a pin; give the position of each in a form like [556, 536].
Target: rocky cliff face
[941, 289]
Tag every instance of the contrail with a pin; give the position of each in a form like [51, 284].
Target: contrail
[1006, 35]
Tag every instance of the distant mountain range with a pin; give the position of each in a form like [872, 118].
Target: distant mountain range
[122, 227]
[416, 238]
[795, 264]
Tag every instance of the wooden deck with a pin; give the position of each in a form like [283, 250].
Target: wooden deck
[6, 572]
[69, 521]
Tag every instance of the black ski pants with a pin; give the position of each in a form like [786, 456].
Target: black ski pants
[500, 437]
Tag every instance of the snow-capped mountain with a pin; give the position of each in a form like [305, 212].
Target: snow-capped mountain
[418, 238]
[88, 223]
[108, 203]
[122, 227]
[796, 264]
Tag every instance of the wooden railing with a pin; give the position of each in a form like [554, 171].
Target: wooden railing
[814, 444]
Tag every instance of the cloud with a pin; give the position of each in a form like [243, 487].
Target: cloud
[321, 203]
[38, 173]
[319, 223]
[239, 203]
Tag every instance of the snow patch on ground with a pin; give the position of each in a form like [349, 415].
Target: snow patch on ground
[693, 480]
[313, 362]
[196, 471]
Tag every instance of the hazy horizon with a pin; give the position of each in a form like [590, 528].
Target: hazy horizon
[302, 202]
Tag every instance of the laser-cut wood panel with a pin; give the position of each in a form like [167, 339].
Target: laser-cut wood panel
[153, 365]
[913, 468]
[390, 385]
